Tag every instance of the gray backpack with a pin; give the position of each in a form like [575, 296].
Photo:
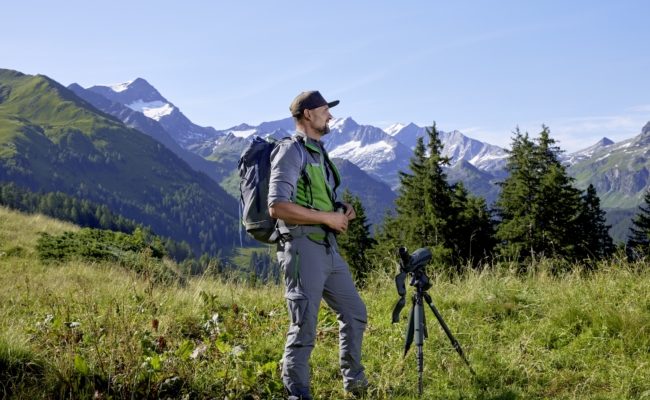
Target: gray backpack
[254, 172]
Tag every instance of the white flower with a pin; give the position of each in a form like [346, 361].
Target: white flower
[199, 351]
[237, 350]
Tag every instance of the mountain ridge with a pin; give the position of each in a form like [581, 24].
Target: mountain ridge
[382, 152]
[53, 140]
[151, 127]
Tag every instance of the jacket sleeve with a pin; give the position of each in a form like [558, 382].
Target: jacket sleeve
[286, 163]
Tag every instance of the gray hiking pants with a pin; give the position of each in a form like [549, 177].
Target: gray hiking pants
[314, 270]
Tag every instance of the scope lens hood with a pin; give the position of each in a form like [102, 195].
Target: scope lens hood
[420, 258]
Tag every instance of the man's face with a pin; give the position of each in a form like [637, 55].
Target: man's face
[319, 119]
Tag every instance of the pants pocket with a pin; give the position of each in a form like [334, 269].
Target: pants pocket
[289, 260]
[297, 304]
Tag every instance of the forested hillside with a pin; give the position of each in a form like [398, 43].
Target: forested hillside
[53, 141]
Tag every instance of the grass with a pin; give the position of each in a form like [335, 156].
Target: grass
[78, 330]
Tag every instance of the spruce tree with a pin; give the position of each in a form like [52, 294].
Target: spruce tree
[595, 243]
[408, 228]
[638, 241]
[357, 241]
[473, 238]
[558, 202]
[515, 205]
[538, 206]
[401, 228]
[423, 204]
[432, 213]
[558, 206]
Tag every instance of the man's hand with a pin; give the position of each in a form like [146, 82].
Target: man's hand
[349, 211]
[337, 221]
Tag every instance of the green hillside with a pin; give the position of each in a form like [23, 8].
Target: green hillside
[376, 197]
[51, 140]
[618, 171]
[96, 330]
[475, 180]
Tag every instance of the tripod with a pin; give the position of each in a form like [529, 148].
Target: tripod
[417, 327]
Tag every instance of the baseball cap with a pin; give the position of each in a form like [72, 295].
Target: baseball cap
[308, 101]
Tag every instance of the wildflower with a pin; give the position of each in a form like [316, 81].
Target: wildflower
[237, 351]
[199, 351]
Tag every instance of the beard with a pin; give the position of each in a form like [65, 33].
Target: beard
[324, 130]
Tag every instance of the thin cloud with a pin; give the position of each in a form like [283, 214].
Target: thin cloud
[643, 108]
[572, 134]
[577, 133]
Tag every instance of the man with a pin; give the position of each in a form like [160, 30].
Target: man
[302, 194]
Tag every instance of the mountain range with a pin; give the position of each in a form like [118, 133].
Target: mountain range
[223, 147]
[382, 153]
[72, 125]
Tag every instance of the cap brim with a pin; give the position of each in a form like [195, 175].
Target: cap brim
[333, 103]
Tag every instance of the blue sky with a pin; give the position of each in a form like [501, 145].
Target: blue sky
[482, 67]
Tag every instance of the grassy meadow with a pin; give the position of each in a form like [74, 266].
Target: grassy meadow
[98, 330]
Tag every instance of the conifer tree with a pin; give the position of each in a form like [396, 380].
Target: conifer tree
[558, 206]
[432, 213]
[438, 211]
[357, 241]
[596, 243]
[639, 238]
[515, 205]
[424, 203]
[538, 205]
[558, 201]
[408, 227]
[473, 238]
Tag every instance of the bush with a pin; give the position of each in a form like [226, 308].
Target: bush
[138, 252]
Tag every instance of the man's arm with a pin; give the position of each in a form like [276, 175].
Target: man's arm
[294, 214]
[285, 171]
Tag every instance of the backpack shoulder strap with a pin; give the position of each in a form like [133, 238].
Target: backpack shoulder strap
[283, 231]
[300, 142]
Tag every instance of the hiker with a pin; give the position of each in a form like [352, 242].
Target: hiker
[303, 196]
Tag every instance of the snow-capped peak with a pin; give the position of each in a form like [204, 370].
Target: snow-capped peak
[152, 109]
[120, 87]
[242, 133]
[588, 152]
[130, 92]
[343, 123]
[336, 123]
[394, 128]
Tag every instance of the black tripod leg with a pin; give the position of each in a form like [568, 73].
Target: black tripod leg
[410, 330]
[420, 328]
[444, 326]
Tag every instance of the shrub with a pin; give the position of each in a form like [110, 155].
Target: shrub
[138, 252]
